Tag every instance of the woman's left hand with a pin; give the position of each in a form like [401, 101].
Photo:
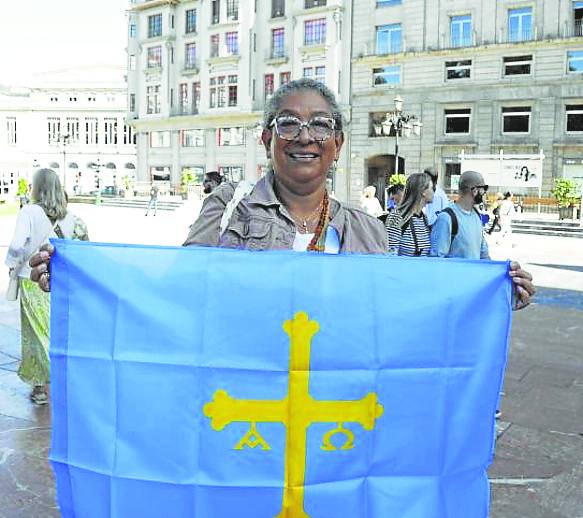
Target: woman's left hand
[523, 287]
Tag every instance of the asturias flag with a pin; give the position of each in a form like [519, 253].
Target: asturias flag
[218, 383]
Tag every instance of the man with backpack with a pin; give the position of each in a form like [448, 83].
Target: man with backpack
[458, 230]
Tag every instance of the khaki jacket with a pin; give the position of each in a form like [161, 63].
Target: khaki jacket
[261, 222]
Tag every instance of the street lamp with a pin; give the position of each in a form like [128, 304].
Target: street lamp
[64, 139]
[401, 123]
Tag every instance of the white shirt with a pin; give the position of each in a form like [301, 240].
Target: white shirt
[331, 246]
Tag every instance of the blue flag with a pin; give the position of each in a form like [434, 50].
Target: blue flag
[215, 383]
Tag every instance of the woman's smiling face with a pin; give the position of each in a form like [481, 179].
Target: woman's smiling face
[302, 164]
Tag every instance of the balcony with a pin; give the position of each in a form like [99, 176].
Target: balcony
[277, 56]
[190, 68]
[520, 36]
[225, 57]
[573, 30]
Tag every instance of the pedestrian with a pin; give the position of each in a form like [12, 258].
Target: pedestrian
[211, 181]
[407, 227]
[496, 213]
[153, 203]
[45, 217]
[458, 231]
[440, 199]
[289, 207]
[395, 194]
[507, 212]
[370, 203]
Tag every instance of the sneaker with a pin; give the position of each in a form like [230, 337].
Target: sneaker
[39, 396]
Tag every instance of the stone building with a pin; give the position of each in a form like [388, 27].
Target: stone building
[482, 76]
[72, 121]
[199, 73]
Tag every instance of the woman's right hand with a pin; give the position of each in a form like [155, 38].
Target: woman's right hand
[41, 267]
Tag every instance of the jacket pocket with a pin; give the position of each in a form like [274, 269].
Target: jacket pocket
[252, 235]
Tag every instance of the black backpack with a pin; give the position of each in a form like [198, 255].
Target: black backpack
[454, 222]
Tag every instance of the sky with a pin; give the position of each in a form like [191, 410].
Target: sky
[40, 36]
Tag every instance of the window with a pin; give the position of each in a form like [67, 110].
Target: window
[231, 136]
[192, 138]
[215, 11]
[388, 38]
[223, 92]
[231, 173]
[233, 9]
[132, 102]
[315, 32]
[160, 173]
[91, 130]
[457, 121]
[516, 119]
[196, 171]
[195, 97]
[214, 45]
[54, 130]
[190, 21]
[308, 4]
[574, 114]
[233, 90]
[110, 131]
[190, 56]
[183, 97]
[153, 99]
[154, 26]
[578, 18]
[132, 30]
[72, 129]
[520, 24]
[387, 75]
[277, 40]
[160, 139]
[129, 137]
[461, 31]
[277, 8]
[284, 78]
[155, 57]
[517, 65]
[387, 3]
[232, 41]
[575, 62]
[458, 69]
[11, 130]
[316, 73]
[269, 85]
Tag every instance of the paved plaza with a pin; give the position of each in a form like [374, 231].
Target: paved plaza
[538, 466]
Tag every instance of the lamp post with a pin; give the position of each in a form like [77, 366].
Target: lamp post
[64, 139]
[402, 124]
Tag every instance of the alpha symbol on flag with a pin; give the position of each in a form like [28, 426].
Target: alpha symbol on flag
[297, 411]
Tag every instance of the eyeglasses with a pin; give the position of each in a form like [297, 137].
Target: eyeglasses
[289, 128]
[484, 187]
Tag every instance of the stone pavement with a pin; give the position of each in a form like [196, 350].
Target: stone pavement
[538, 467]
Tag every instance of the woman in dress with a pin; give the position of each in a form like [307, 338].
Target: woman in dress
[407, 228]
[45, 217]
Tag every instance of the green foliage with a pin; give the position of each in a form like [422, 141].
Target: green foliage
[22, 187]
[187, 179]
[127, 182]
[566, 192]
[397, 179]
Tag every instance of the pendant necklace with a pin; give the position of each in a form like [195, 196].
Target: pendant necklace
[302, 223]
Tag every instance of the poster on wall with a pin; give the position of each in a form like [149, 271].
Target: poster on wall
[506, 171]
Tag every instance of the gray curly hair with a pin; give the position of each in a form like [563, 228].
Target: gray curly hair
[298, 85]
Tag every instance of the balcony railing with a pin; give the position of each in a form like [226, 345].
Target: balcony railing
[526, 34]
[277, 54]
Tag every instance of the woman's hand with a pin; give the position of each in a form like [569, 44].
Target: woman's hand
[523, 286]
[41, 267]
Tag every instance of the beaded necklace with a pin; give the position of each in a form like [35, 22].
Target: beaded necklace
[318, 242]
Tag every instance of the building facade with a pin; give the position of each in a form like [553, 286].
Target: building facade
[199, 73]
[484, 77]
[72, 121]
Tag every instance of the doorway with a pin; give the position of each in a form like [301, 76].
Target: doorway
[380, 169]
